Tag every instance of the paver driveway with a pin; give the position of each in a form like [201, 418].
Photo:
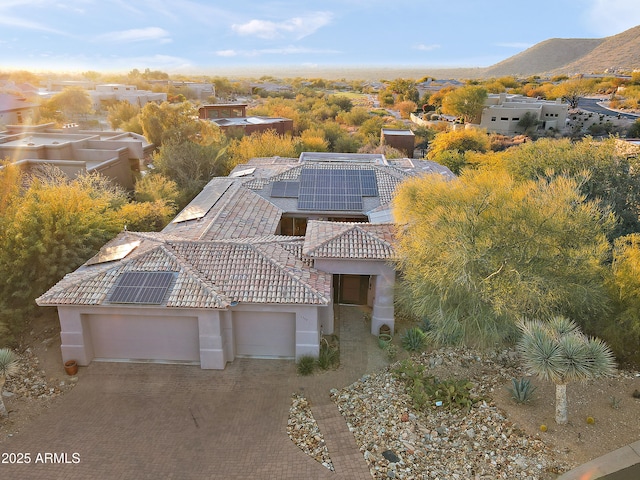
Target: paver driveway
[149, 421]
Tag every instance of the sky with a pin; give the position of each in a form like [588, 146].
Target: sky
[191, 36]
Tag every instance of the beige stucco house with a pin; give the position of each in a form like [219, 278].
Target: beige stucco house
[116, 155]
[251, 267]
[503, 111]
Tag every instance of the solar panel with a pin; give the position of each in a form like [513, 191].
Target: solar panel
[142, 287]
[335, 189]
[204, 201]
[368, 183]
[114, 252]
[282, 189]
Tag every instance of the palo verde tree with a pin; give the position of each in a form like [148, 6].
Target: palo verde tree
[465, 102]
[559, 352]
[604, 173]
[481, 251]
[49, 226]
[73, 102]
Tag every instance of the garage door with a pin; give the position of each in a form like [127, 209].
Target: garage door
[263, 334]
[145, 338]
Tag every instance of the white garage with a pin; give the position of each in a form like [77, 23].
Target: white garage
[138, 337]
[265, 334]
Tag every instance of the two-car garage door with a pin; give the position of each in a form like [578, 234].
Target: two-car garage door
[137, 337]
[159, 338]
[265, 334]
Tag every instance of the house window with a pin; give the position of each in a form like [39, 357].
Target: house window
[506, 119]
[516, 119]
[293, 226]
[19, 116]
[493, 119]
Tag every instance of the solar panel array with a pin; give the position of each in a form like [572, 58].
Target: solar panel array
[335, 189]
[142, 287]
[282, 189]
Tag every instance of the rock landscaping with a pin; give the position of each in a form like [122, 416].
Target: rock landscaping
[437, 442]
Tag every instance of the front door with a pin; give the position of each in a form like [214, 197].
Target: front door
[353, 289]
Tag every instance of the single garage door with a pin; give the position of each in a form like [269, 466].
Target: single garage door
[265, 334]
[145, 337]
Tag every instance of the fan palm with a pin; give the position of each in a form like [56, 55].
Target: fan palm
[558, 351]
[8, 366]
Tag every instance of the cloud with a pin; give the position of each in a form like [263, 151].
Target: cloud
[427, 48]
[610, 17]
[288, 50]
[10, 21]
[298, 27]
[227, 53]
[137, 35]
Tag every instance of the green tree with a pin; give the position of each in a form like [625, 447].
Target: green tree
[466, 102]
[9, 366]
[479, 252]
[176, 123]
[120, 113]
[605, 174]
[622, 329]
[48, 229]
[559, 352]
[527, 122]
[72, 102]
[634, 130]
[571, 91]
[190, 165]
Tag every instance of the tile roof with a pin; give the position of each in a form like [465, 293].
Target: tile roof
[232, 252]
[209, 274]
[364, 241]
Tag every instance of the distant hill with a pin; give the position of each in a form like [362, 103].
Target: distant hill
[573, 55]
[551, 57]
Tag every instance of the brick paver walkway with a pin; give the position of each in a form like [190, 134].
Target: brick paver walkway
[149, 421]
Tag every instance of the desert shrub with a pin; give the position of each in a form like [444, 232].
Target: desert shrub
[413, 339]
[306, 365]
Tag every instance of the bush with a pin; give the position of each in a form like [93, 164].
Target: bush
[329, 356]
[306, 365]
[413, 339]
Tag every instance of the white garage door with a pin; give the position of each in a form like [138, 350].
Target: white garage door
[262, 334]
[145, 337]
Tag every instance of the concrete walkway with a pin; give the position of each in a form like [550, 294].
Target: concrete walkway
[149, 421]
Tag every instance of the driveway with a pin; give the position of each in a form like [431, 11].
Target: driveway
[150, 421]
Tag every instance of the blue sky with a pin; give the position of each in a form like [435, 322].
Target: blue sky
[200, 36]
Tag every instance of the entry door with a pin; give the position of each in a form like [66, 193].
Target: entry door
[353, 289]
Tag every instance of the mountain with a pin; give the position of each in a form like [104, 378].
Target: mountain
[573, 55]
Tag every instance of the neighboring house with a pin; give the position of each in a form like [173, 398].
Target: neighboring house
[503, 111]
[199, 90]
[16, 110]
[116, 155]
[119, 92]
[233, 116]
[251, 267]
[403, 140]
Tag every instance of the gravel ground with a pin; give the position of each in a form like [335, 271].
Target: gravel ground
[397, 441]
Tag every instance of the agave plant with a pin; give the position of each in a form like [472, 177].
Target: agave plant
[558, 351]
[8, 366]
